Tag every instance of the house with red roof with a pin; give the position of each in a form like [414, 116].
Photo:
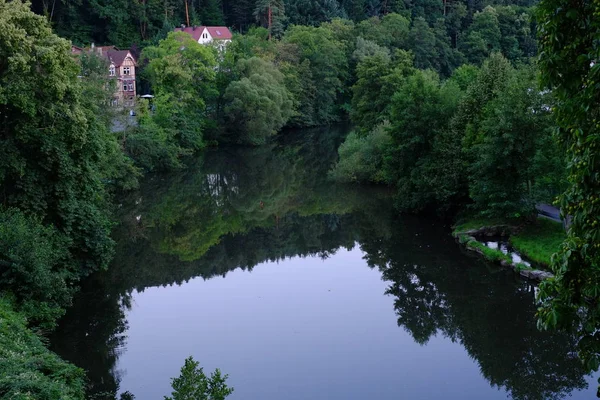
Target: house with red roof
[219, 35]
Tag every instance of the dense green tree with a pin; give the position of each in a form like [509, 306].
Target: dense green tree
[52, 145]
[29, 370]
[362, 156]
[182, 75]
[271, 14]
[312, 12]
[513, 128]
[446, 168]
[446, 58]
[356, 9]
[33, 259]
[483, 36]
[569, 34]
[422, 44]
[328, 66]
[212, 13]
[194, 384]
[258, 104]
[456, 13]
[465, 75]
[243, 13]
[420, 110]
[430, 10]
[391, 31]
[378, 78]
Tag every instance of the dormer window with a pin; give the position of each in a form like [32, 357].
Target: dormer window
[126, 70]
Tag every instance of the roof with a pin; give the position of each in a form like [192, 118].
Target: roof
[104, 49]
[217, 32]
[117, 57]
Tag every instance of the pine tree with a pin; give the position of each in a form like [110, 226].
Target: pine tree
[211, 13]
[276, 21]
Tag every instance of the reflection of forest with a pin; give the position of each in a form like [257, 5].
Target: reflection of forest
[236, 208]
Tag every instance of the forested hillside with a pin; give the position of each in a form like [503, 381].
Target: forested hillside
[442, 33]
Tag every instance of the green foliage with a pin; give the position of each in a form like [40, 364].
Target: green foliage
[258, 104]
[182, 75]
[328, 68]
[361, 156]
[378, 78]
[421, 109]
[313, 12]
[422, 42]
[483, 37]
[52, 145]
[276, 8]
[568, 41]
[211, 13]
[390, 31]
[30, 371]
[193, 384]
[34, 265]
[513, 129]
[540, 240]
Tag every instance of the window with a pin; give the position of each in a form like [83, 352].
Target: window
[125, 70]
[125, 87]
[115, 102]
[130, 87]
[111, 70]
[205, 35]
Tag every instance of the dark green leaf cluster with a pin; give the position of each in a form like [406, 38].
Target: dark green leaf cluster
[569, 34]
[481, 138]
[182, 75]
[55, 156]
[30, 371]
[193, 384]
[258, 104]
[32, 260]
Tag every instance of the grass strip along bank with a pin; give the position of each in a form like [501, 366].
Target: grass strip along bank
[535, 241]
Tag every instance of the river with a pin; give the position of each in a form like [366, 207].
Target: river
[251, 261]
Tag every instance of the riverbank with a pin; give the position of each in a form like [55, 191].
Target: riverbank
[28, 369]
[535, 242]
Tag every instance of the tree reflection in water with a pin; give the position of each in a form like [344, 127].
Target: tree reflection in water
[236, 208]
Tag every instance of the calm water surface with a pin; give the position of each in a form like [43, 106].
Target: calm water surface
[252, 262]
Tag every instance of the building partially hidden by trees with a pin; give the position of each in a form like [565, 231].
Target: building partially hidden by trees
[121, 67]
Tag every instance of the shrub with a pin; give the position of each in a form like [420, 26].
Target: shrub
[194, 384]
[33, 265]
[27, 369]
[361, 157]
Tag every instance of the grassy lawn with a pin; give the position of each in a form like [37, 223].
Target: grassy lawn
[540, 240]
